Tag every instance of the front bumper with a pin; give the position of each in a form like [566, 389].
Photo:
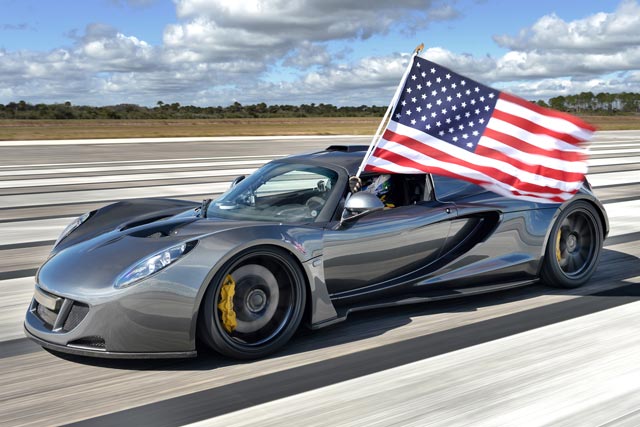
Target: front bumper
[84, 351]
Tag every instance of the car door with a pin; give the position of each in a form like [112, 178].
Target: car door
[384, 247]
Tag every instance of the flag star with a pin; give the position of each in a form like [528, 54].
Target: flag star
[448, 120]
[482, 99]
[453, 85]
[408, 113]
[423, 118]
[433, 71]
[471, 124]
[473, 102]
[413, 99]
[429, 83]
[477, 111]
[404, 103]
[461, 127]
[450, 130]
[458, 117]
[459, 95]
[468, 92]
[467, 114]
[438, 80]
[475, 133]
[449, 98]
[429, 105]
[408, 90]
[398, 115]
[424, 96]
[487, 108]
[444, 111]
[477, 89]
[481, 121]
[455, 139]
[469, 144]
[418, 65]
[438, 124]
[464, 104]
[491, 95]
[413, 121]
[465, 136]
[418, 108]
[454, 108]
[434, 92]
[423, 74]
[413, 77]
[427, 127]
[448, 76]
[439, 101]
[443, 88]
[419, 87]
[463, 82]
[441, 133]
[434, 114]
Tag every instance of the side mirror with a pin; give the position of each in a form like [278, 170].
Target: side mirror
[360, 204]
[237, 180]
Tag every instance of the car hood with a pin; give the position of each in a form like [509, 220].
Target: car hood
[95, 261]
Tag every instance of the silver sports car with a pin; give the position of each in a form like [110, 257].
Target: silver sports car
[284, 246]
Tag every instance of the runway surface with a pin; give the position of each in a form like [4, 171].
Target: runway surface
[531, 356]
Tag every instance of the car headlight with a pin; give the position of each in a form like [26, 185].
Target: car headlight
[152, 264]
[74, 224]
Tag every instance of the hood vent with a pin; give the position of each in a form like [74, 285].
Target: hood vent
[143, 222]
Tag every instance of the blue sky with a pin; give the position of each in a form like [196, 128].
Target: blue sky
[347, 52]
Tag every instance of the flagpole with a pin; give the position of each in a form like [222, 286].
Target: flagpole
[390, 108]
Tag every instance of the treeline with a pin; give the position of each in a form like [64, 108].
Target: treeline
[25, 110]
[585, 102]
[601, 103]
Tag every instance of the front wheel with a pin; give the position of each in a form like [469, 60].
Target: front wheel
[574, 246]
[254, 305]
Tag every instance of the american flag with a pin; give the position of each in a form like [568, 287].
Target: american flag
[448, 124]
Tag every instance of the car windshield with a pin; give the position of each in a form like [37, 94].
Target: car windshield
[283, 192]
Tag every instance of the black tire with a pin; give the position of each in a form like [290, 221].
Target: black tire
[574, 246]
[269, 301]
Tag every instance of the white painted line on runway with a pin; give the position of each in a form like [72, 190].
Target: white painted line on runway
[125, 162]
[583, 371]
[37, 143]
[614, 178]
[15, 296]
[88, 196]
[32, 231]
[130, 168]
[601, 152]
[623, 217]
[611, 161]
[122, 178]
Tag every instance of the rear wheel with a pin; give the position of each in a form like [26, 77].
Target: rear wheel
[254, 305]
[574, 246]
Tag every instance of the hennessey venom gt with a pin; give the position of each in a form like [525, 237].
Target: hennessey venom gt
[285, 245]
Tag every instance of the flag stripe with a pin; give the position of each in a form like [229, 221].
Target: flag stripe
[440, 150]
[553, 123]
[498, 172]
[390, 161]
[513, 150]
[533, 127]
[547, 112]
[523, 145]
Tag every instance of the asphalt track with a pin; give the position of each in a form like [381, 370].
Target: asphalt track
[529, 356]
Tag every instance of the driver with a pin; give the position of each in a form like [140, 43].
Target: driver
[380, 186]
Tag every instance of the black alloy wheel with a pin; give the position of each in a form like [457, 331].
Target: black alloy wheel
[254, 305]
[574, 246]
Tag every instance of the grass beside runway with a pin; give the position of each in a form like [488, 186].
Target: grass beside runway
[89, 129]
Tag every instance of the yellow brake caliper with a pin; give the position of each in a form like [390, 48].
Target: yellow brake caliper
[558, 251]
[226, 303]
